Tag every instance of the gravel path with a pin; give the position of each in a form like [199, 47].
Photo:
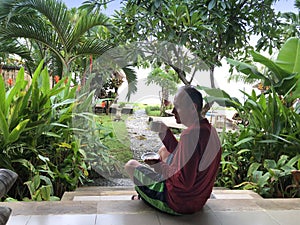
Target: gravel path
[141, 137]
[142, 140]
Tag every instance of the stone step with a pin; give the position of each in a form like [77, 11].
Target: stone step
[124, 193]
[98, 193]
[139, 207]
[74, 203]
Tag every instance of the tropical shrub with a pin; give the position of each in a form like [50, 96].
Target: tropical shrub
[46, 135]
[264, 151]
[274, 178]
[235, 159]
[153, 110]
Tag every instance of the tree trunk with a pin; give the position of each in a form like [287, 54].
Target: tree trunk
[208, 105]
[164, 98]
[181, 75]
[211, 76]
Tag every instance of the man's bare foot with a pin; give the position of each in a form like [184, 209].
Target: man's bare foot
[135, 197]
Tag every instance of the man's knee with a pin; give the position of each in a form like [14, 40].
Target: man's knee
[130, 167]
[131, 163]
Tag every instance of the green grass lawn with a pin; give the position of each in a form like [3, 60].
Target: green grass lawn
[119, 142]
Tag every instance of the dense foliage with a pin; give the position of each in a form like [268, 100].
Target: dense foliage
[48, 137]
[210, 29]
[263, 153]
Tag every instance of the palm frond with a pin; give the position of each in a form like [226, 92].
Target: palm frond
[38, 31]
[55, 11]
[12, 47]
[8, 9]
[85, 23]
[131, 78]
[93, 47]
[55, 65]
[50, 23]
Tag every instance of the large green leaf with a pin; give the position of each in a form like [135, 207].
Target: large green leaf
[245, 140]
[289, 56]
[3, 126]
[219, 96]
[35, 97]
[246, 68]
[294, 160]
[45, 87]
[21, 78]
[225, 102]
[15, 134]
[216, 92]
[33, 184]
[64, 103]
[14, 117]
[45, 192]
[278, 72]
[253, 168]
[11, 94]
[270, 164]
[2, 95]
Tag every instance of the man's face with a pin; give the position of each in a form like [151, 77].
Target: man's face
[179, 109]
[176, 115]
[184, 109]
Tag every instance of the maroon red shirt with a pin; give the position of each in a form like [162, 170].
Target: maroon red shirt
[191, 175]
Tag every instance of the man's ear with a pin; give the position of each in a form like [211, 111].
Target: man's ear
[195, 106]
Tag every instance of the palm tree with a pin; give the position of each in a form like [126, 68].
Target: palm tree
[60, 35]
[66, 39]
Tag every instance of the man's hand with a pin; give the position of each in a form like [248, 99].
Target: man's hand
[163, 128]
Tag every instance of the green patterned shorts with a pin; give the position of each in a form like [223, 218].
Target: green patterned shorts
[151, 188]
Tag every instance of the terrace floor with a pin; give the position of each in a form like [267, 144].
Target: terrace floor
[112, 206]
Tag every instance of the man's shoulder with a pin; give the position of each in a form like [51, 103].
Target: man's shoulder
[202, 128]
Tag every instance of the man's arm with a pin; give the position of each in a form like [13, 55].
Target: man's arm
[184, 170]
[168, 139]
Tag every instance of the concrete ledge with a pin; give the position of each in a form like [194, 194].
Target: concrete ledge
[117, 206]
[235, 194]
[99, 191]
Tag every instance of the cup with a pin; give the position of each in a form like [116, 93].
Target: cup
[150, 158]
[155, 126]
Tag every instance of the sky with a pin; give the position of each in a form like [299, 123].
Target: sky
[115, 4]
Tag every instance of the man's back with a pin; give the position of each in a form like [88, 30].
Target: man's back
[197, 160]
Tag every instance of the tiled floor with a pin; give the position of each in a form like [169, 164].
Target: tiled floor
[53, 219]
[110, 207]
[202, 218]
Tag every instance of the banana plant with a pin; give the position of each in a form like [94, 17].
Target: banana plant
[282, 74]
